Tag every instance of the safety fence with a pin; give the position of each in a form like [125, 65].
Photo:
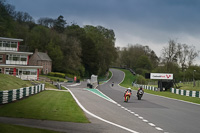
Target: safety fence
[146, 87]
[16, 94]
[185, 92]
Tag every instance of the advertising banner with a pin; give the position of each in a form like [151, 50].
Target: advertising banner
[161, 76]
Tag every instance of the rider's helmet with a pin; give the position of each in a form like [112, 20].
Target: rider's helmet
[129, 89]
[140, 87]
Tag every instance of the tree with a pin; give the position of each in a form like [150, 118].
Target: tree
[55, 53]
[193, 53]
[59, 24]
[104, 40]
[47, 22]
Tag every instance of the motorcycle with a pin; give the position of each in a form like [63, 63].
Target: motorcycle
[127, 96]
[140, 94]
[112, 84]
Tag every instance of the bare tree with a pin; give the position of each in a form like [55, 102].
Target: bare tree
[193, 53]
[170, 52]
[183, 52]
[48, 22]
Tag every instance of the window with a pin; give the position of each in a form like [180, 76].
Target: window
[27, 71]
[1, 58]
[23, 58]
[13, 44]
[9, 71]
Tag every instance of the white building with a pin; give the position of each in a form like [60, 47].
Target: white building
[14, 62]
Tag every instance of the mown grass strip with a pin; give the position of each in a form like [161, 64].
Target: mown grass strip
[47, 105]
[7, 128]
[129, 78]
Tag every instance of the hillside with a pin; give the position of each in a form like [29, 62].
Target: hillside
[8, 82]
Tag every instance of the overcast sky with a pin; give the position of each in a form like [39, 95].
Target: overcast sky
[146, 22]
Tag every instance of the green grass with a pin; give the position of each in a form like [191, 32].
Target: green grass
[47, 105]
[129, 78]
[7, 128]
[128, 83]
[8, 82]
[104, 78]
[186, 86]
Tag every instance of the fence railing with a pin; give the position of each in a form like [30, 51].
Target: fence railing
[16, 94]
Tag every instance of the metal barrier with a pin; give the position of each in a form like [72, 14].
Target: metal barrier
[16, 94]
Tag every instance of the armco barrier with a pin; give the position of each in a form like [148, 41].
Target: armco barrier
[16, 94]
[185, 92]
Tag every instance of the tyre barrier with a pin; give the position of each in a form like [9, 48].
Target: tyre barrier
[185, 92]
[146, 87]
[16, 94]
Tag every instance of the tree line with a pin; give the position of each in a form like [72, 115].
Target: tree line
[73, 49]
[176, 58]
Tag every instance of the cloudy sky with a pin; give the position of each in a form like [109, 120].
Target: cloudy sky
[146, 22]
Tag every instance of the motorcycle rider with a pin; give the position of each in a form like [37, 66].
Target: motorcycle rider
[127, 90]
[112, 84]
[140, 89]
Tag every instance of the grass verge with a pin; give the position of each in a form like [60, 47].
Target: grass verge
[7, 128]
[47, 105]
[8, 82]
[129, 77]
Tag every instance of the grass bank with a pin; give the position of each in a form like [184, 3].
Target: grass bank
[8, 82]
[128, 83]
[7, 128]
[47, 105]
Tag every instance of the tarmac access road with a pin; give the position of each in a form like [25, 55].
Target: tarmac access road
[170, 115]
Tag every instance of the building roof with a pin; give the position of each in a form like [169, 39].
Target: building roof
[10, 39]
[43, 56]
[21, 66]
[16, 52]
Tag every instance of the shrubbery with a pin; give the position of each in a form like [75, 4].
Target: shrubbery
[56, 74]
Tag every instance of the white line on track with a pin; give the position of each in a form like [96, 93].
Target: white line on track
[109, 122]
[145, 120]
[158, 128]
[151, 124]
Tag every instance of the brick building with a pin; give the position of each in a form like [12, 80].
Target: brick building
[41, 59]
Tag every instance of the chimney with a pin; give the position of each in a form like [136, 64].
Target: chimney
[36, 50]
[46, 52]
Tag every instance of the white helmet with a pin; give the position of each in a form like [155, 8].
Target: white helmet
[129, 88]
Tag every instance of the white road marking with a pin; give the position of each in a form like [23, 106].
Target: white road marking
[158, 128]
[151, 124]
[109, 122]
[145, 120]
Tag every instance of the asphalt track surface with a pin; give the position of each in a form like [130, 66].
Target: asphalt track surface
[152, 114]
[170, 115]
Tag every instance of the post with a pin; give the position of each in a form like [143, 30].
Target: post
[194, 79]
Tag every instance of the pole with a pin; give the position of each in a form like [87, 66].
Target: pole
[194, 79]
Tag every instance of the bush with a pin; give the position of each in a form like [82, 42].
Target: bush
[140, 79]
[56, 74]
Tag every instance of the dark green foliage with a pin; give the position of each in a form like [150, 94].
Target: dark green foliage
[74, 50]
[56, 74]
